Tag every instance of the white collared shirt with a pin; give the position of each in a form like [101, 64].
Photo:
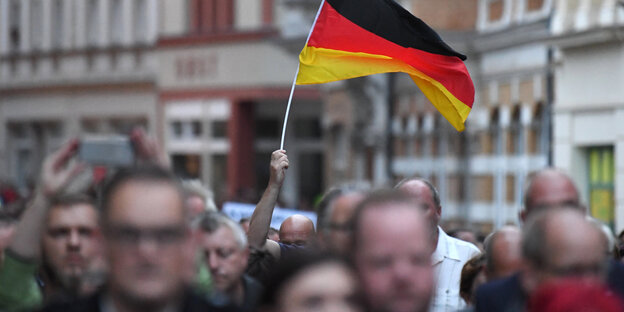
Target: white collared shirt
[448, 260]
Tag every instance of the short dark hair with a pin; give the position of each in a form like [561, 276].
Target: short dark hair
[72, 199]
[434, 192]
[325, 205]
[286, 269]
[146, 173]
[469, 273]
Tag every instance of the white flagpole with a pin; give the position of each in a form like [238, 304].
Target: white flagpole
[292, 88]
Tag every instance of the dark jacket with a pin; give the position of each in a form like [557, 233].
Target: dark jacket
[191, 303]
[504, 295]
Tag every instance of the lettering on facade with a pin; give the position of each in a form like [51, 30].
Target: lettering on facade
[196, 67]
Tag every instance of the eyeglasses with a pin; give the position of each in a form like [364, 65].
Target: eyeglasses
[132, 236]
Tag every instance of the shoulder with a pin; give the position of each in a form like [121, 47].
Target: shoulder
[465, 249]
[90, 303]
[498, 294]
[194, 302]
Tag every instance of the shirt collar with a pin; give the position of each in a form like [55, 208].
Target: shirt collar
[444, 249]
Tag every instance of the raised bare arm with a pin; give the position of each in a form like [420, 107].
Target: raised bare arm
[261, 218]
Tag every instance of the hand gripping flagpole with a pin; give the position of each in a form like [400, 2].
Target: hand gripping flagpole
[292, 88]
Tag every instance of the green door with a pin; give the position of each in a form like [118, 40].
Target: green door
[601, 181]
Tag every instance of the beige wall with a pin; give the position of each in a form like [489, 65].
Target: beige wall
[257, 64]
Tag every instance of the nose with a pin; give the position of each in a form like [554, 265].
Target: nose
[74, 240]
[147, 246]
[401, 271]
[213, 260]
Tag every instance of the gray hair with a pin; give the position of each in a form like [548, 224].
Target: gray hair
[196, 188]
[212, 221]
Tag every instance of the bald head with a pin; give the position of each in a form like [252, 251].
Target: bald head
[425, 195]
[503, 252]
[296, 230]
[549, 188]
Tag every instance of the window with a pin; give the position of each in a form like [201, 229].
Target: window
[534, 5]
[14, 25]
[601, 183]
[36, 26]
[219, 129]
[268, 128]
[309, 128]
[116, 24]
[218, 174]
[57, 24]
[92, 23]
[196, 128]
[176, 129]
[140, 20]
[495, 10]
[211, 16]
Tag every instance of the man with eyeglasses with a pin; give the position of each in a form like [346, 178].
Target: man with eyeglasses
[335, 211]
[145, 235]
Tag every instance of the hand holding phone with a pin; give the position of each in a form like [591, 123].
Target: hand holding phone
[110, 151]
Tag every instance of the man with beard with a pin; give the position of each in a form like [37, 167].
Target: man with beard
[450, 254]
[145, 236]
[58, 231]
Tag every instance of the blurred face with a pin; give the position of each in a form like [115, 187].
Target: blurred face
[195, 206]
[550, 189]
[393, 259]
[225, 258]
[311, 292]
[146, 239]
[574, 249]
[339, 236]
[70, 243]
[583, 257]
[421, 193]
[506, 254]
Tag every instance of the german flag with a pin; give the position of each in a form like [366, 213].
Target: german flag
[354, 38]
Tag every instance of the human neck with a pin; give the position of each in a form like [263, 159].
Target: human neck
[434, 239]
[237, 293]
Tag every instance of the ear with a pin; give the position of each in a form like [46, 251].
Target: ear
[523, 215]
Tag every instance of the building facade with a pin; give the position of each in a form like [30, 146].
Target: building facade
[224, 76]
[589, 106]
[68, 68]
[480, 172]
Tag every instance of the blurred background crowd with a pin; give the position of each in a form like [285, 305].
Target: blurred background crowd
[196, 90]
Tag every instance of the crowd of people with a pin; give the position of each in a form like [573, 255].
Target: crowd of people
[142, 240]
